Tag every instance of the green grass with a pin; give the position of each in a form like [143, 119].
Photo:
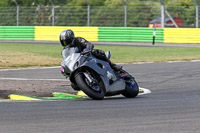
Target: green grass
[152, 54]
[27, 55]
[46, 50]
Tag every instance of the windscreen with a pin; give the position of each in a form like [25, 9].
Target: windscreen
[68, 51]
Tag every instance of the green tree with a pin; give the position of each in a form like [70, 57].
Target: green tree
[114, 3]
[71, 16]
[103, 12]
[96, 2]
[107, 16]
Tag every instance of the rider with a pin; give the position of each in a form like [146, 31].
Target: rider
[68, 39]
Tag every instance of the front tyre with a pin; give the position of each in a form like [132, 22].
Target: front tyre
[131, 90]
[94, 91]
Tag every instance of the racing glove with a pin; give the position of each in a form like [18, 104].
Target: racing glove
[85, 50]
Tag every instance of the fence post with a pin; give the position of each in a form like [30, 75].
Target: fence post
[88, 13]
[162, 13]
[17, 12]
[197, 13]
[53, 12]
[171, 19]
[125, 13]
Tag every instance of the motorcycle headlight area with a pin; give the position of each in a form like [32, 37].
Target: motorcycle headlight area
[65, 66]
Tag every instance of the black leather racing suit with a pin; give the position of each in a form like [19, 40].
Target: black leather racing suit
[82, 44]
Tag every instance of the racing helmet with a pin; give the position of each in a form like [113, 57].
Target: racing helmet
[66, 37]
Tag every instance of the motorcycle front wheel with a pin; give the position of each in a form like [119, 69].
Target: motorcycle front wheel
[95, 91]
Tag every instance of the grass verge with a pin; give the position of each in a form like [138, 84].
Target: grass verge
[34, 55]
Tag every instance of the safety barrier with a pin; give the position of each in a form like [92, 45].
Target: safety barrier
[182, 35]
[17, 33]
[52, 33]
[130, 34]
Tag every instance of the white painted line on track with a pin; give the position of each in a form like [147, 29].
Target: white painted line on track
[5, 100]
[143, 63]
[195, 60]
[178, 61]
[25, 79]
[163, 62]
[30, 68]
[146, 91]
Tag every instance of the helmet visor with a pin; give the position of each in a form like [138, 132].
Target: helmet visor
[69, 40]
[64, 43]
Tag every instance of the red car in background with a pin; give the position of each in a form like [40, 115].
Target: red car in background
[168, 22]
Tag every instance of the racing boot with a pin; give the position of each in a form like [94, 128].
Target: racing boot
[114, 66]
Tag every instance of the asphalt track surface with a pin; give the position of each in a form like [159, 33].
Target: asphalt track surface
[138, 44]
[172, 107]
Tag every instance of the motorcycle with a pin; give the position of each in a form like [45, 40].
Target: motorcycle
[95, 77]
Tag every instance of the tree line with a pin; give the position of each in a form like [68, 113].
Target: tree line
[102, 12]
[6, 3]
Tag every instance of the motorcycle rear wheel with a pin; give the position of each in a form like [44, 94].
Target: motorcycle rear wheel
[87, 89]
[131, 92]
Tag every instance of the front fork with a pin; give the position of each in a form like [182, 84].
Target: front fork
[89, 77]
[92, 82]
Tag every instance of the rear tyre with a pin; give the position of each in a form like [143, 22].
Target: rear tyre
[131, 90]
[95, 92]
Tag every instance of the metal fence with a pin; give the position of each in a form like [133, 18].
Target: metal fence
[120, 16]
